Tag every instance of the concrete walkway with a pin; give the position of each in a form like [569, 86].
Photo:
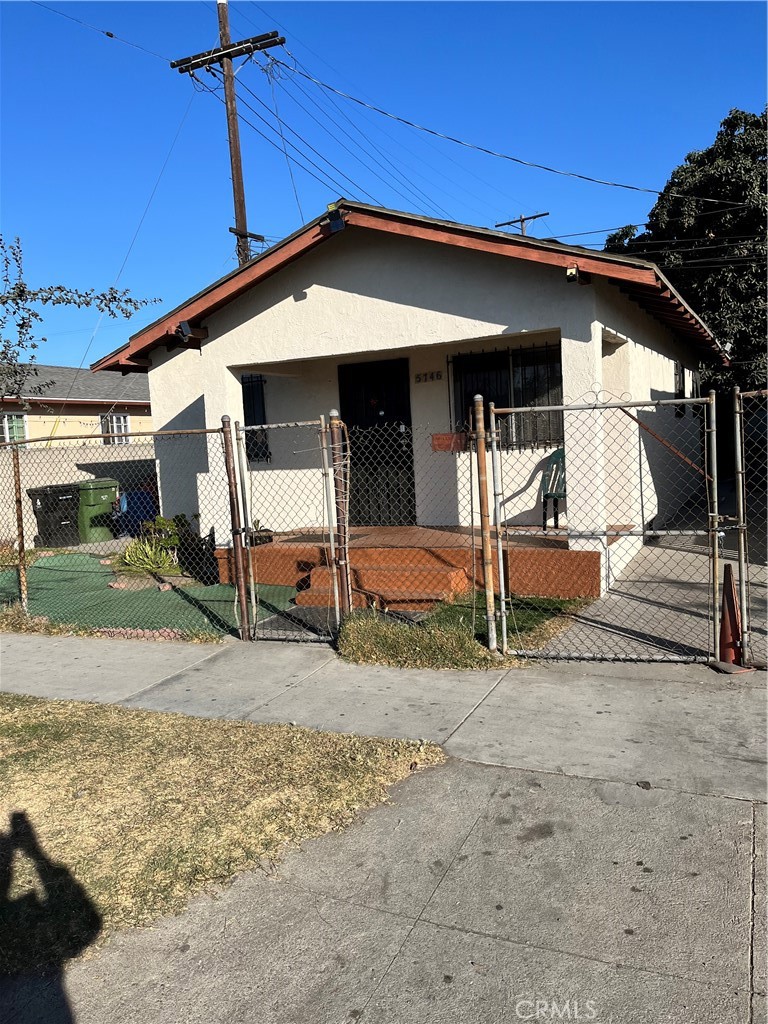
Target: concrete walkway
[529, 872]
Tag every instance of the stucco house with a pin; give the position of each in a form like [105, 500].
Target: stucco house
[77, 403]
[399, 319]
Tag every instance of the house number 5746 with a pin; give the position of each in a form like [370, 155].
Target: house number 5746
[423, 378]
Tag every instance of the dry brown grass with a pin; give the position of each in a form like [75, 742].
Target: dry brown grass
[146, 808]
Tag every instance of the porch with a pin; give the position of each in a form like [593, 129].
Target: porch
[411, 568]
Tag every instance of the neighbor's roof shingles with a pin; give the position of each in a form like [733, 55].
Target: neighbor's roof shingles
[80, 385]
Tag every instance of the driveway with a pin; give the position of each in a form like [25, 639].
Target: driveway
[592, 850]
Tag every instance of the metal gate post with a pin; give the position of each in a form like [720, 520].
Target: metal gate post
[497, 498]
[341, 496]
[714, 522]
[328, 489]
[237, 529]
[22, 566]
[485, 522]
[248, 551]
[741, 523]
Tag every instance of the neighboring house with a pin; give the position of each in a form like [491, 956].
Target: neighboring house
[393, 317]
[77, 403]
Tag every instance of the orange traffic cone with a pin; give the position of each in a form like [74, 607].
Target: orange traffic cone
[731, 651]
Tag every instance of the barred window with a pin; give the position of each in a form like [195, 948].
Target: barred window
[14, 428]
[255, 414]
[518, 377]
[537, 379]
[115, 423]
[486, 374]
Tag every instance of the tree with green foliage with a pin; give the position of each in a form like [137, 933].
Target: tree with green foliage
[714, 253]
[20, 317]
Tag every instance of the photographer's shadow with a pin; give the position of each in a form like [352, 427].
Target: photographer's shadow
[40, 929]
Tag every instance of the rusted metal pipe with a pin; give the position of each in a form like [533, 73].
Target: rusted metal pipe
[100, 437]
[237, 527]
[485, 521]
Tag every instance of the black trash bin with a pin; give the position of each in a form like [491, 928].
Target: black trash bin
[56, 507]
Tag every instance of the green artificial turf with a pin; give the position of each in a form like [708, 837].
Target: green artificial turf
[72, 589]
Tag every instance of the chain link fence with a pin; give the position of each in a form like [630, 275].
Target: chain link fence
[289, 495]
[751, 457]
[586, 531]
[604, 529]
[414, 524]
[118, 535]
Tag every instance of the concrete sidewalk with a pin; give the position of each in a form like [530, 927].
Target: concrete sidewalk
[681, 727]
[532, 871]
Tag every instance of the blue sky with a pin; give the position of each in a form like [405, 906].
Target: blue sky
[615, 90]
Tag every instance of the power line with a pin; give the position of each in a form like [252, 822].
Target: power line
[326, 183]
[672, 248]
[131, 245]
[303, 140]
[414, 195]
[285, 148]
[101, 31]
[645, 223]
[495, 153]
[397, 142]
[432, 145]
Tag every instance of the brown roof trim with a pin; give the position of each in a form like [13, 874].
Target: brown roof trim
[640, 280]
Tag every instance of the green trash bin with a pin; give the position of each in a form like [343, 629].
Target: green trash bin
[94, 518]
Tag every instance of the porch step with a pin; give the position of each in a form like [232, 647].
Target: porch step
[398, 587]
[322, 597]
[398, 558]
[403, 582]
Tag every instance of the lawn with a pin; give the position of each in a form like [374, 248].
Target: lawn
[72, 589]
[135, 811]
[452, 635]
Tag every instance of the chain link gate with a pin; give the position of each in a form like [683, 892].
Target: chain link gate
[606, 529]
[751, 512]
[293, 490]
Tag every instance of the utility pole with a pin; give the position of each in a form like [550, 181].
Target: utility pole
[233, 130]
[522, 221]
[223, 56]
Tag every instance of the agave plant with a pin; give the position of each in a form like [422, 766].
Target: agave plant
[149, 554]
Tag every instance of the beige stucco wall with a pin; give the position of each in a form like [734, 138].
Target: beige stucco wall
[77, 419]
[62, 461]
[367, 296]
[361, 294]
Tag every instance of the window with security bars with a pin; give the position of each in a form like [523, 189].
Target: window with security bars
[14, 428]
[116, 424]
[518, 377]
[255, 414]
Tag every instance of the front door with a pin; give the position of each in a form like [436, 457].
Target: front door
[375, 403]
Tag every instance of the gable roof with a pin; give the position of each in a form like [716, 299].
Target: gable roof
[642, 281]
[78, 386]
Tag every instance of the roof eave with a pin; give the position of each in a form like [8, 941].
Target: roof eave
[637, 275]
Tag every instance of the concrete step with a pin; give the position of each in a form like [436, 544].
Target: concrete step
[406, 583]
[395, 558]
[322, 597]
